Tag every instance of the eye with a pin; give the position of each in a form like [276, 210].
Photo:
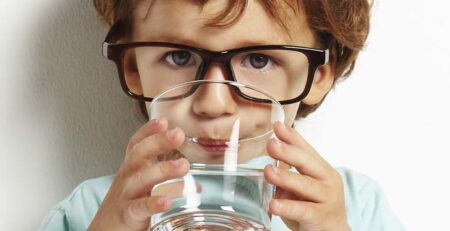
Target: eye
[258, 61]
[179, 58]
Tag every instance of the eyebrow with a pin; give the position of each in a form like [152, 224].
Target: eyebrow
[245, 42]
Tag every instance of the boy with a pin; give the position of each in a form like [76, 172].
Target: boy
[321, 197]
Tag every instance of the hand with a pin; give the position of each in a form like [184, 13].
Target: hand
[312, 200]
[128, 205]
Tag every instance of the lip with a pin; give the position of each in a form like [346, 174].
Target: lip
[213, 145]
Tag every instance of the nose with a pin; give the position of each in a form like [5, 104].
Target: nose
[215, 100]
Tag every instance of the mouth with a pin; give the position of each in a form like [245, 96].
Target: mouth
[212, 145]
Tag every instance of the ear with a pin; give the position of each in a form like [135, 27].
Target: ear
[131, 72]
[322, 83]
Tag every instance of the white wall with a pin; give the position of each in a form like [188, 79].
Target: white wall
[63, 117]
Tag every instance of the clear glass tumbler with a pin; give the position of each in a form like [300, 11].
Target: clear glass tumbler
[227, 125]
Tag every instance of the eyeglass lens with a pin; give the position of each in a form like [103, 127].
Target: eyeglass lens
[149, 71]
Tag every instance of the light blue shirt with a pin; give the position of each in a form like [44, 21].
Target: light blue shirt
[366, 205]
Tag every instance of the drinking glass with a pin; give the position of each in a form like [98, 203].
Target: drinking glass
[225, 143]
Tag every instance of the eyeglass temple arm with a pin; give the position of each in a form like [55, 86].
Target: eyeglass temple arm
[115, 28]
[327, 56]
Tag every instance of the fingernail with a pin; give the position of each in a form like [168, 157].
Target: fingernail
[276, 205]
[172, 134]
[282, 126]
[177, 163]
[275, 169]
[160, 202]
[155, 121]
[278, 144]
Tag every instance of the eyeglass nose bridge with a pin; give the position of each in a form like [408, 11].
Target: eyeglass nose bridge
[224, 59]
[221, 58]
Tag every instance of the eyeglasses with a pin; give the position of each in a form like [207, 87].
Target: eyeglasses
[148, 68]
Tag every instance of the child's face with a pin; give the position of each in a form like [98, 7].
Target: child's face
[183, 22]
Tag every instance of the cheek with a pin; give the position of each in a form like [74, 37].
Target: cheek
[174, 111]
[290, 111]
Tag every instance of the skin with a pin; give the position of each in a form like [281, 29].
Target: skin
[211, 112]
[312, 200]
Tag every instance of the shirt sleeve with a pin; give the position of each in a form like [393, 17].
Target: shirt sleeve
[376, 213]
[76, 212]
[56, 219]
[366, 204]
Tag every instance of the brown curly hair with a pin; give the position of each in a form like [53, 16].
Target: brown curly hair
[340, 25]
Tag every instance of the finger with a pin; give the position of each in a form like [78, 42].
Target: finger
[280, 193]
[143, 181]
[283, 165]
[140, 210]
[302, 186]
[290, 136]
[176, 190]
[150, 147]
[152, 127]
[301, 211]
[292, 155]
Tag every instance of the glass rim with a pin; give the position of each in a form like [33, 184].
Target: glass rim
[226, 82]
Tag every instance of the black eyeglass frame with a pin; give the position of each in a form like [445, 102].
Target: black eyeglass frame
[115, 51]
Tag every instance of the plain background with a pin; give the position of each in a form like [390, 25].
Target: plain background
[64, 118]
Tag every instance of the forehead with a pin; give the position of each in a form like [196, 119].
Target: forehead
[186, 22]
